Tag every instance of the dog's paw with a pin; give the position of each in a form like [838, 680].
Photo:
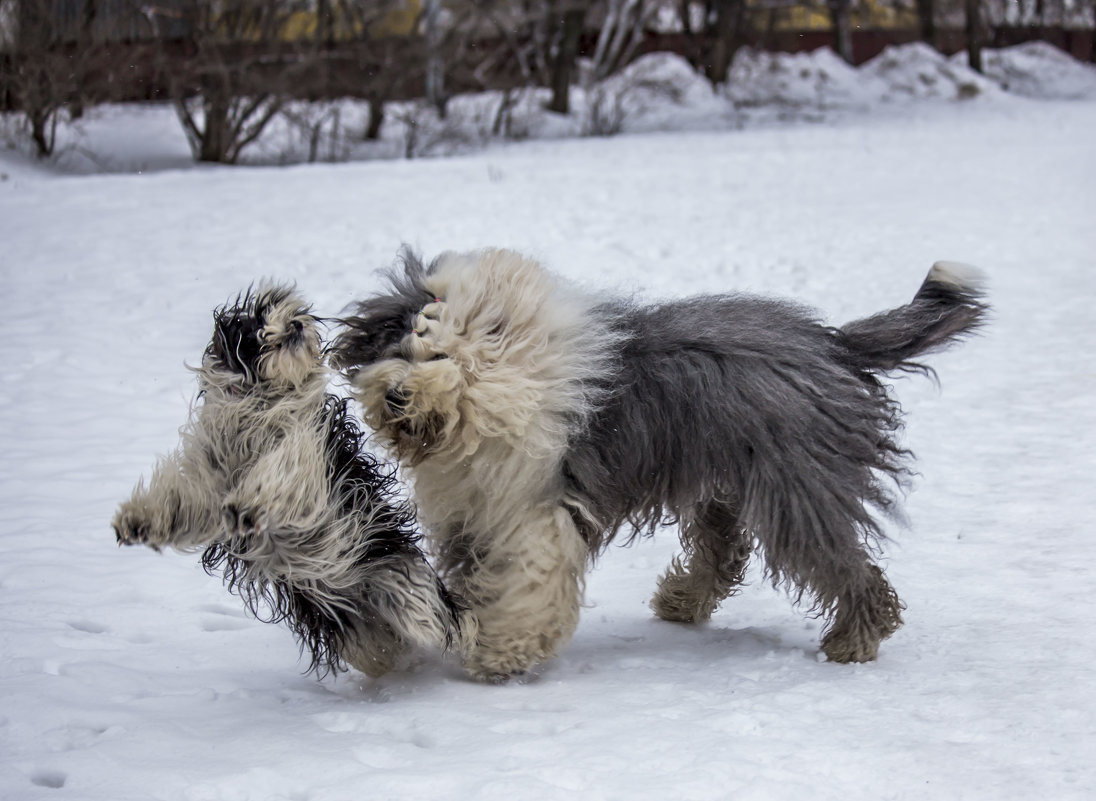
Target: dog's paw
[133, 525]
[497, 668]
[242, 521]
[498, 679]
[426, 331]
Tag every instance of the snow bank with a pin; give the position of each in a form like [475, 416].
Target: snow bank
[816, 80]
[820, 80]
[918, 72]
[1039, 70]
[658, 92]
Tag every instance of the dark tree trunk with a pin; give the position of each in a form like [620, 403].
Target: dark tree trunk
[213, 143]
[43, 131]
[726, 38]
[566, 54]
[926, 13]
[376, 118]
[840, 17]
[975, 30]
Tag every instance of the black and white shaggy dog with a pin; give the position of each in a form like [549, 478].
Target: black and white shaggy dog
[272, 484]
[537, 422]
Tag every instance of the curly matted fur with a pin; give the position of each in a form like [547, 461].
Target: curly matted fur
[272, 483]
[538, 421]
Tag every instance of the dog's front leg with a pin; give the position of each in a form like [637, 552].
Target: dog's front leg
[177, 508]
[286, 486]
[525, 594]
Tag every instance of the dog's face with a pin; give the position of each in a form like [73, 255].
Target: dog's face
[268, 336]
[458, 353]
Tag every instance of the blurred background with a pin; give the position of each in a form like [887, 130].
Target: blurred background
[229, 68]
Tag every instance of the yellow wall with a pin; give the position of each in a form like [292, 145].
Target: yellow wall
[869, 14]
[398, 22]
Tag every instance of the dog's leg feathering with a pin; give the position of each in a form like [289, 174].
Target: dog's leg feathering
[868, 612]
[171, 511]
[717, 550]
[408, 597]
[525, 594]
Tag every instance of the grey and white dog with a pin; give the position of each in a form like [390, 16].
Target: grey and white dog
[272, 484]
[537, 421]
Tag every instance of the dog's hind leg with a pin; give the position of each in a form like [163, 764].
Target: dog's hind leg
[406, 596]
[525, 589]
[813, 537]
[868, 611]
[716, 551]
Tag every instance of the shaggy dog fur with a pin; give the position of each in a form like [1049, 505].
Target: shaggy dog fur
[271, 483]
[537, 422]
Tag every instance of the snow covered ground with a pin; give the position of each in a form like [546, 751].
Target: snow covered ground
[132, 675]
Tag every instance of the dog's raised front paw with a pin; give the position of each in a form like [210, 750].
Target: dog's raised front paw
[426, 330]
[133, 526]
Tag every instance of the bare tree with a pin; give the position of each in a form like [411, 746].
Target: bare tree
[632, 91]
[358, 40]
[621, 34]
[46, 69]
[245, 60]
[728, 18]
[435, 63]
[541, 38]
[507, 56]
[515, 44]
[714, 29]
[224, 91]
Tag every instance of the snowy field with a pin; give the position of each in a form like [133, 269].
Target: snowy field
[126, 674]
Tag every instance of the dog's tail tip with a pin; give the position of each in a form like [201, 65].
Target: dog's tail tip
[960, 275]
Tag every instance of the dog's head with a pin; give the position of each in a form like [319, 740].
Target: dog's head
[267, 337]
[475, 347]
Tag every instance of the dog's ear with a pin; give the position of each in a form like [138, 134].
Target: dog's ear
[235, 347]
[379, 324]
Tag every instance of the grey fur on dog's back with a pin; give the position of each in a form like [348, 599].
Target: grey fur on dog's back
[775, 402]
[787, 402]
